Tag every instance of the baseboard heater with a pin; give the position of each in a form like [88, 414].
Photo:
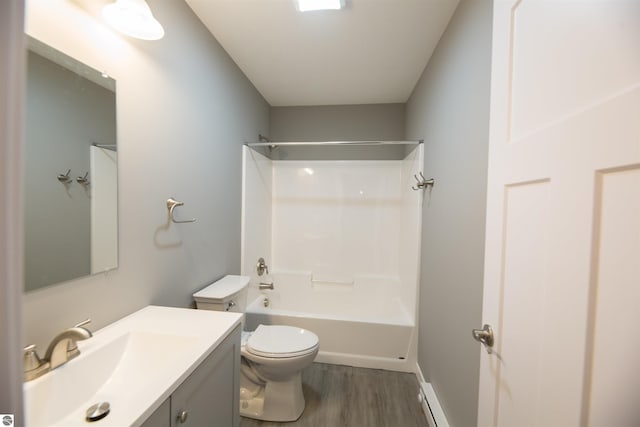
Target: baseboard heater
[431, 406]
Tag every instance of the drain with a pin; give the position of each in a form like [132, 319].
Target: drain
[98, 411]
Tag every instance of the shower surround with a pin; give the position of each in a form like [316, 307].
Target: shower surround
[341, 239]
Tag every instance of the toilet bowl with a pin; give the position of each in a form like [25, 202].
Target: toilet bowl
[273, 356]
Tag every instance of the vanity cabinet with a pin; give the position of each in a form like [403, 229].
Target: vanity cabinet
[210, 396]
[161, 417]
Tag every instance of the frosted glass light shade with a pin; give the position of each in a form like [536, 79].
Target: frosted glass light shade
[310, 5]
[133, 18]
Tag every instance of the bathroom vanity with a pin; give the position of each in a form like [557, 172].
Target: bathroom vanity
[209, 396]
[157, 367]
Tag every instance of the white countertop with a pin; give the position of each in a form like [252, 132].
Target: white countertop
[149, 354]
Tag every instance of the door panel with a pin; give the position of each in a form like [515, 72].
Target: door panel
[522, 336]
[558, 68]
[562, 259]
[612, 388]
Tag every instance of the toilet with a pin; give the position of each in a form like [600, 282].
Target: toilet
[273, 356]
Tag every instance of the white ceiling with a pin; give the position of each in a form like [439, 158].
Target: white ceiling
[372, 52]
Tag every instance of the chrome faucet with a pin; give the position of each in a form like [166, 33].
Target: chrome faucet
[263, 286]
[63, 346]
[61, 349]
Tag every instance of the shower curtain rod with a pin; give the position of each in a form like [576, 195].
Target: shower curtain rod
[310, 143]
[112, 147]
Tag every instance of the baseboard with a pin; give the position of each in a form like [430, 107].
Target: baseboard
[430, 404]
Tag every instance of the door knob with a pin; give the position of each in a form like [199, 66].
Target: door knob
[484, 335]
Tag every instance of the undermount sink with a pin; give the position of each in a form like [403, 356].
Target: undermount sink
[133, 364]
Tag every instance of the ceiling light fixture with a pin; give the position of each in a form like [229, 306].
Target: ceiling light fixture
[133, 18]
[310, 5]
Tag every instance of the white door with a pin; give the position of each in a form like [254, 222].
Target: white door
[562, 269]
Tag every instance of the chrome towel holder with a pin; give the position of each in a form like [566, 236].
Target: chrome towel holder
[65, 178]
[422, 182]
[83, 180]
[171, 205]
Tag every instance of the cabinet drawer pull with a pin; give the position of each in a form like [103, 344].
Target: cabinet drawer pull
[182, 416]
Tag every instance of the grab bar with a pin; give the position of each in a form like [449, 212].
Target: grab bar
[171, 205]
[337, 282]
[263, 286]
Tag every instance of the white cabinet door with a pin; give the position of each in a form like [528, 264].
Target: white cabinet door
[562, 267]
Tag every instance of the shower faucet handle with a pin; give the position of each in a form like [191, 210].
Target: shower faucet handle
[262, 267]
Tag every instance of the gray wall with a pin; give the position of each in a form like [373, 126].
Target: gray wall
[374, 122]
[183, 111]
[337, 122]
[449, 109]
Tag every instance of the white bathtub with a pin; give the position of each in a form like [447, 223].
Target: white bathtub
[378, 334]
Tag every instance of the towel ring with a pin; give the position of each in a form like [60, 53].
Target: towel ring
[171, 205]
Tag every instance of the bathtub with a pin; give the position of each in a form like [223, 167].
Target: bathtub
[379, 334]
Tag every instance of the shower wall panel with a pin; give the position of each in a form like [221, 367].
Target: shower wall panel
[411, 228]
[256, 211]
[342, 241]
[337, 220]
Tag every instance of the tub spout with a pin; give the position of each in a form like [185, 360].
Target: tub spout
[263, 286]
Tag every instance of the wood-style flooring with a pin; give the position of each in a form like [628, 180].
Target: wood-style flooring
[338, 396]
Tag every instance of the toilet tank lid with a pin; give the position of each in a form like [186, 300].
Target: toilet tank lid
[222, 289]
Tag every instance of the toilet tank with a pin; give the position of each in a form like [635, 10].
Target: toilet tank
[226, 294]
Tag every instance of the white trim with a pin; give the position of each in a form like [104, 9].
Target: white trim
[430, 403]
[436, 416]
[12, 74]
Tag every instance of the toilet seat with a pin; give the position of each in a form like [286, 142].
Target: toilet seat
[279, 341]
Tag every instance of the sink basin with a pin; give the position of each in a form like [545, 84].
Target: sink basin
[134, 364]
[116, 369]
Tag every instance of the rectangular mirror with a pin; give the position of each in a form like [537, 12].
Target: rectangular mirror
[71, 169]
